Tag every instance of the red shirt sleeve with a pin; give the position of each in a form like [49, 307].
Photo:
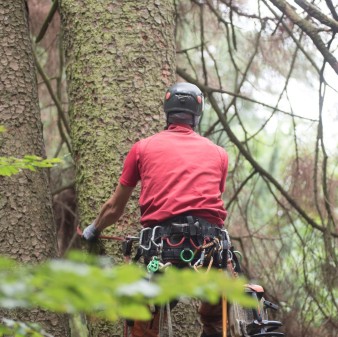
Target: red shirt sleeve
[130, 173]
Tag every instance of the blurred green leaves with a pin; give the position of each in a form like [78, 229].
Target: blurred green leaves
[11, 165]
[92, 285]
[13, 328]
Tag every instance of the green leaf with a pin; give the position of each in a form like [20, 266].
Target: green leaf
[32, 158]
[8, 170]
[10, 165]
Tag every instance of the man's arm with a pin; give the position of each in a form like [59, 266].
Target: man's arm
[113, 208]
[110, 212]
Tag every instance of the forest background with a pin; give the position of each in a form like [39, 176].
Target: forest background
[268, 70]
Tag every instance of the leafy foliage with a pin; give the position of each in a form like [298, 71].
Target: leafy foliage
[10, 165]
[20, 329]
[92, 285]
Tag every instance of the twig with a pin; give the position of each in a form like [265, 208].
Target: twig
[50, 90]
[286, 27]
[47, 21]
[62, 188]
[332, 9]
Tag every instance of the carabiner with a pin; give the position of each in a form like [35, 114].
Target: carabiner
[239, 254]
[188, 253]
[141, 238]
[153, 238]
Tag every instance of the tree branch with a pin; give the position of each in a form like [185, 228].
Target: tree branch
[317, 14]
[309, 29]
[286, 27]
[250, 159]
[234, 197]
[332, 9]
[47, 21]
[183, 74]
[50, 90]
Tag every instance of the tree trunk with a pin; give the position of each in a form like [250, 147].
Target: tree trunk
[121, 58]
[27, 231]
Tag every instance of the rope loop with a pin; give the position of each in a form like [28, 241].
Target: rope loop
[174, 244]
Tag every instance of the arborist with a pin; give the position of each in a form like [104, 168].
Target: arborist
[182, 178]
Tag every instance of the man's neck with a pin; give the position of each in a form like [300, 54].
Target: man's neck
[174, 125]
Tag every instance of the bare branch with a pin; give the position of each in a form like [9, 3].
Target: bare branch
[244, 182]
[48, 20]
[53, 96]
[332, 9]
[317, 14]
[309, 29]
[286, 27]
[202, 44]
[183, 74]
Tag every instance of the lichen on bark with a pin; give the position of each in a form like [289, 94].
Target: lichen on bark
[121, 58]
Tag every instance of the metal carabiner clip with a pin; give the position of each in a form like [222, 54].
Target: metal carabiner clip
[141, 238]
[158, 245]
[226, 236]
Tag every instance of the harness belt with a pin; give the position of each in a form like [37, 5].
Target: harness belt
[187, 226]
[184, 239]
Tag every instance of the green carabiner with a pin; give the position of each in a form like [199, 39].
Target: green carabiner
[236, 252]
[153, 265]
[190, 255]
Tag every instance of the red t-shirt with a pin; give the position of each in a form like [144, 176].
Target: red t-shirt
[180, 172]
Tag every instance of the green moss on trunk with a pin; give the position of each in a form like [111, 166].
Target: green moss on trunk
[121, 58]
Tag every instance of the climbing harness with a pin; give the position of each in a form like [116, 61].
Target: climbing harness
[194, 243]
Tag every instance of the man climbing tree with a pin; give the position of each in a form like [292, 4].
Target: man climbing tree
[182, 179]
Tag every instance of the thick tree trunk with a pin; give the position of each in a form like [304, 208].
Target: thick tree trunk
[121, 58]
[27, 231]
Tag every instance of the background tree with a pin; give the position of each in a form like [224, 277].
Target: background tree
[26, 218]
[120, 58]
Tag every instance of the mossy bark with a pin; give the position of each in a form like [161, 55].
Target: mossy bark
[27, 230]
[120, 59]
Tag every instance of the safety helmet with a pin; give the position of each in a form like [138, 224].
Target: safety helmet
[184, 97]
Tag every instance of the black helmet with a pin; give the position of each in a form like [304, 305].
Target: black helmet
[184, 97]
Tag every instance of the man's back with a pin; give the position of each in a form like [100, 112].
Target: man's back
[180, 172]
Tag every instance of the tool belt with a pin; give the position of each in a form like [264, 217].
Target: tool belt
[178, 240]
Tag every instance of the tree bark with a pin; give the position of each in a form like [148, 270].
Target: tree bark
[27, 230]
[121, 58]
